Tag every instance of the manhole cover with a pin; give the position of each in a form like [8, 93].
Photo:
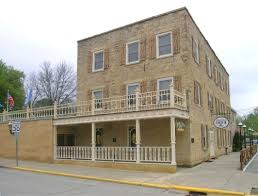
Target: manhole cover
[254, 191]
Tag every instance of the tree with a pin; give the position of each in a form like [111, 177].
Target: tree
[52, 84]
[12, 80]
[237, 142]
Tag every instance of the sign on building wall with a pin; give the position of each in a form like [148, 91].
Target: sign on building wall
[221, 122]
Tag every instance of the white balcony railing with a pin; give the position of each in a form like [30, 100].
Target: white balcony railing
[138, 102]
[159, 154]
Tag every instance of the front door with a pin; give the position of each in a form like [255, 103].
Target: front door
[132, 136]
[212, 149]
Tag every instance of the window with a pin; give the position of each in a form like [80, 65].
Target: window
[131, 93]
[164, 44]
[209, 67]
[132, 52]
[98, 96]
[164, 89]
[210, 102]
[65, 140]
[132, 136]
[99, 138]
[216, 75]
[197, 93]
[196, 55]
[204, 136]
[98, 61]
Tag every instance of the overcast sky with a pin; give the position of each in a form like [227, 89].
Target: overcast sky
[38, 30]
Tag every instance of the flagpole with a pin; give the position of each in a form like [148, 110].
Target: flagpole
[7, 104]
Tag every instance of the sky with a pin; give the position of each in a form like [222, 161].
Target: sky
[35, 31]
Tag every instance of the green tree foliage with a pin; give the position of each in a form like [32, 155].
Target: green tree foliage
[237, 143]
[12, 80]
[251, 121]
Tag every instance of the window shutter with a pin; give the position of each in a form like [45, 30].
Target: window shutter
[193, 48]
[153, 85]
[105, 92]
[207, 136]
[202, 136]
[178, 83]
[201, 95]
[152, 47]
[89, 64]
[176, 41]
[143, 50]
[106, 58]
[89, 95]
[122, 54]
[123, 89]
[143, 87]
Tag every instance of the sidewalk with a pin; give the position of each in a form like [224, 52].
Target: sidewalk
[223, 173]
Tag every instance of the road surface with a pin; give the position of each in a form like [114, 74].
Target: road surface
[253, 167]
[14, 183]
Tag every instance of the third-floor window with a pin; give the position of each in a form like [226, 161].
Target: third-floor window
[164, 44]
[132, 52]
[98, 61]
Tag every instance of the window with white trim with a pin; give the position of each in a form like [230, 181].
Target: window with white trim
[197, 93]
[209, 67]
[132, 52]
[164, 44]
[98, 96]
[98, 61]
[196, 54]
[131, 93]
[164, 88]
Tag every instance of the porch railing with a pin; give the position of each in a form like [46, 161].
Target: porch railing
[138, 102]
[155, 154]
[73, 152]
[158, 154]
[116, 153]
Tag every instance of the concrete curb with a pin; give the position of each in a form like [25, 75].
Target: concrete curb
[135, 183]
[250, 162]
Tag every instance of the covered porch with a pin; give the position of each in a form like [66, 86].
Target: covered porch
[141, 141]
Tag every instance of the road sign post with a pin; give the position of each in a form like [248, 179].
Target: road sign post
[16, 126]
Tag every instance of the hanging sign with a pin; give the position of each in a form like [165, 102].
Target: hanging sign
[221, 122]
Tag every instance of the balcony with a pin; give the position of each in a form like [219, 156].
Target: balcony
[139, 102]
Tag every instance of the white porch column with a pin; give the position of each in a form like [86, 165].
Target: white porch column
[27, 112]
[137, 99]
[173, 140]
[55, 109]
[138, 140]
[172, 95]
[54, 142]
[93, 141]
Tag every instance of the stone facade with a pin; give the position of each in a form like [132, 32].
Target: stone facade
[181, 65]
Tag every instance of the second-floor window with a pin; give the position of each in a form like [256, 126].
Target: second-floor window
[132, 52]
[209, 67]
[98, 61]
[164, 89]
[164, 44]
[197, 93]
[131, 93]
[98, 96]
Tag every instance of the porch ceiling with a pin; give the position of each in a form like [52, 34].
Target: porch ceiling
[124, 116]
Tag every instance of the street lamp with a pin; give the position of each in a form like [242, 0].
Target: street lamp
[244, 129]
[240, 124]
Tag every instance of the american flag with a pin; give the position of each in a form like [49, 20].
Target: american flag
[10, 100]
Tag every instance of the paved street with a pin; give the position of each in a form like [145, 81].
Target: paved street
[253, 167]
[223, 173]
[13, 182]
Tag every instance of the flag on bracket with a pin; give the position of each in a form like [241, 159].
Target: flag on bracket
[10, 101]
[28, 97]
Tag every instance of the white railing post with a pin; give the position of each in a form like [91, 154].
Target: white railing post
[137, 104]
[184, 99]
[93, 105]
[138, 140]
[55, 109]
[4, 116]
[93, 141]
[55, 142]
[173, 140]
[172, 95]
[28, 112]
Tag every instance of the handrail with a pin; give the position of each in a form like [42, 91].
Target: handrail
[126, 103]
